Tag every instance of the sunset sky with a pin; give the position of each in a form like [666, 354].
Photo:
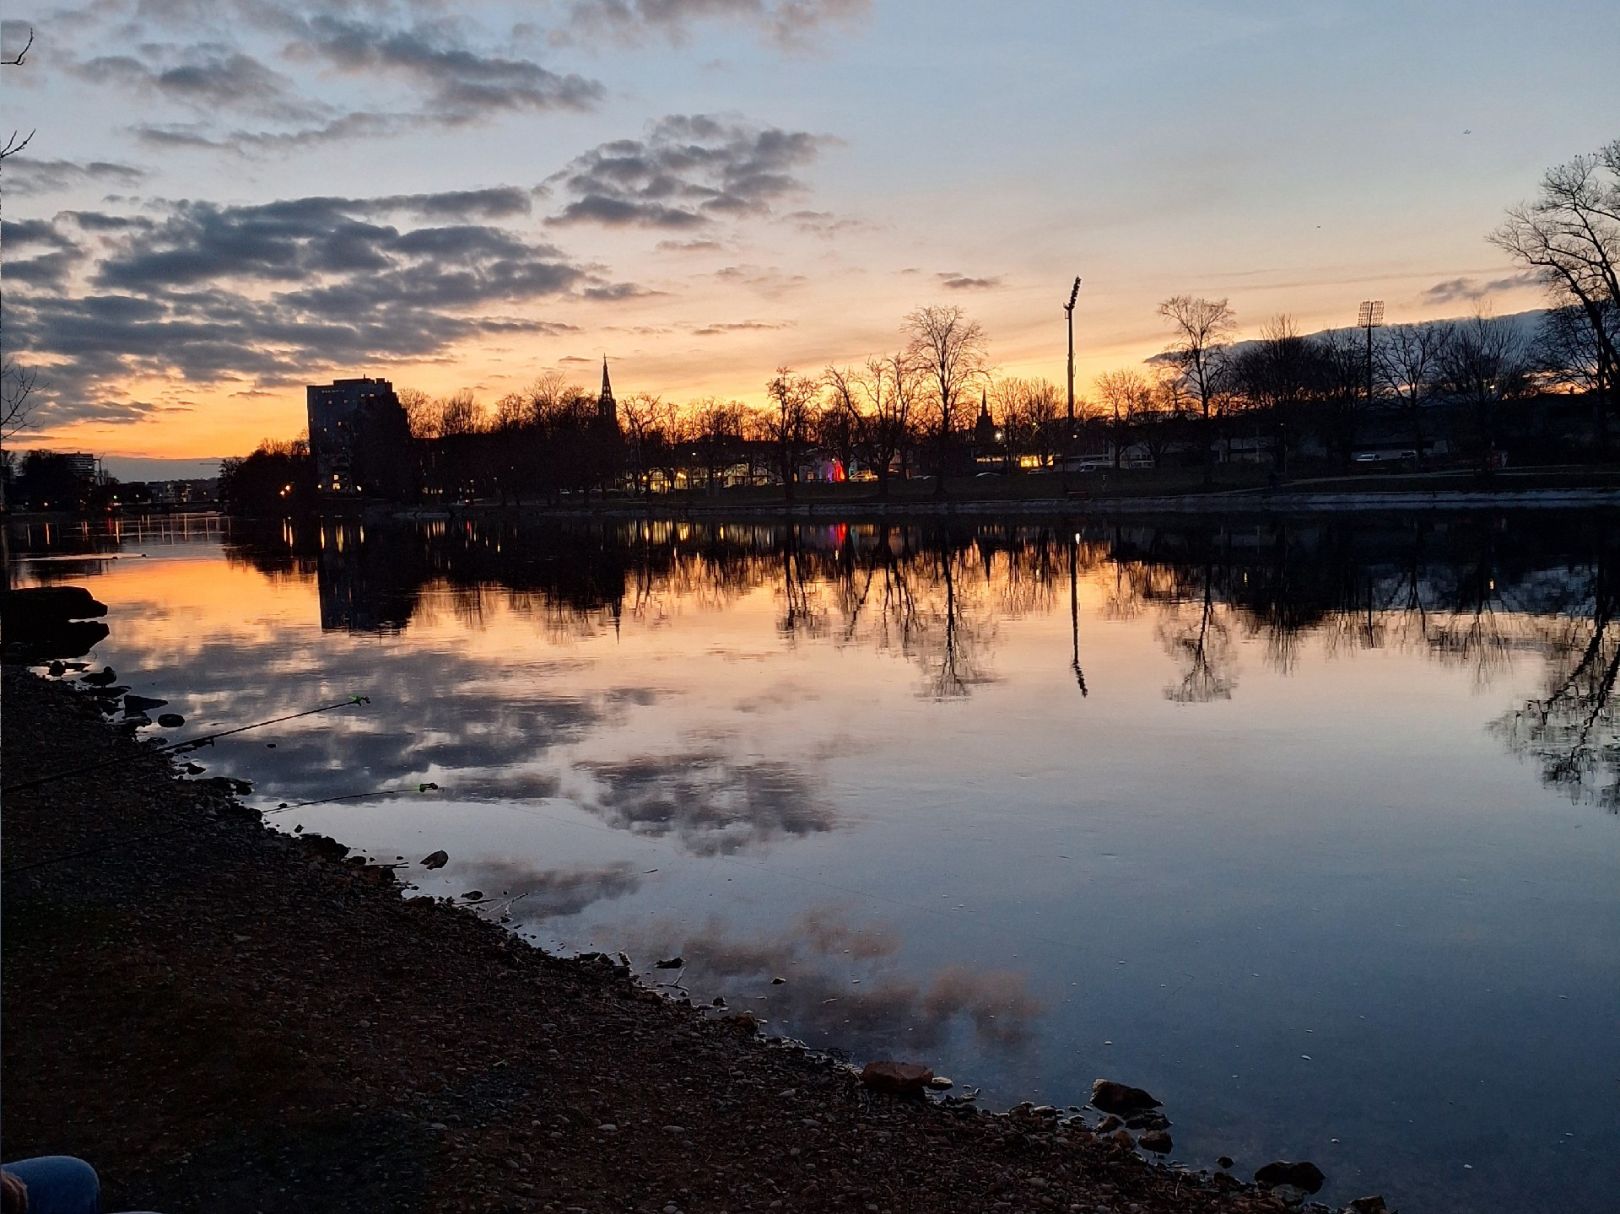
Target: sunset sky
[225, 200]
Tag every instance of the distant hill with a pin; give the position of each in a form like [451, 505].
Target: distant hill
[1527, 324]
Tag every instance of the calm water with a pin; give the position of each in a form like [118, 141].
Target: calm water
[1309, 828]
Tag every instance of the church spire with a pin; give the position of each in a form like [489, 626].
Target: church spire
[607, 409]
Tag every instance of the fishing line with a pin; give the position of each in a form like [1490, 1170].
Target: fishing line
[174, 748]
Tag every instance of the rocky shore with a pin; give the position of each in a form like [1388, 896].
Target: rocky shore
[223, 1017]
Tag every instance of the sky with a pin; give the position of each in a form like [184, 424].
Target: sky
[226, 200]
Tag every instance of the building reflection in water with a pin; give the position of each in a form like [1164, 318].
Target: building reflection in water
[1466, 591]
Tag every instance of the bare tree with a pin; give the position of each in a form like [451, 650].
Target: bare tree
[717, 432]
[1570, 235]
[1568, 352]
[649, 422]
[1201, 328]
[951, 352]
[788, 421]
[460, 414]
[1408, 362]
[17, 398]
[15, 143]
[890, 387]
[1125, 396]
[1485, 363]
[841, 424]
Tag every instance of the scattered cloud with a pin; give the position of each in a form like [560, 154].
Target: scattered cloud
[689, 171]
[406, 66]
[953, 281]
[459, 83]
[1470, 290]
[741, 326]
[202, 292]
[27, 176]
[818, 956]
[712, 803]
[206, 77]
[531, 894]
[825, 224]
[767, 281]
[790, 24]
[690, 246]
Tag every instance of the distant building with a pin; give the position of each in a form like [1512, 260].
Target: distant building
[339, 414]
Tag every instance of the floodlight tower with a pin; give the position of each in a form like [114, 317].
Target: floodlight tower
[1068, 312]
[1369, 316]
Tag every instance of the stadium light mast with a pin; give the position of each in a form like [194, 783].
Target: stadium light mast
[1369, 316]
[1068, 312]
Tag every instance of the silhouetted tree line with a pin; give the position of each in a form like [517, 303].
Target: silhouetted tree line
[1472, 391]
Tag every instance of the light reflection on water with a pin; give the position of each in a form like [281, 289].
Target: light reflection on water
[1307, 827]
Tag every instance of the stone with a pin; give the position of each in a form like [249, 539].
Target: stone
[1109, 1124]
[1151, 1120]
[670, 963]
[1121, 1098]
[474, 895]
[437, 859]
[1223, 1161]
[1304, 1175]
[897, 1078]
[1156, 1141]
[134, 703]
[941, 1084]
[171, 720]
[1373, 1204]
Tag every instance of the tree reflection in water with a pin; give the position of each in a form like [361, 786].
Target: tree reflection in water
[1475, 591]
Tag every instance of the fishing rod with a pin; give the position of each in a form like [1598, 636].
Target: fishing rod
[181, 747]
[427, 786]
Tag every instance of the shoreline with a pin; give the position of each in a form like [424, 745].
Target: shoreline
[218, 1015]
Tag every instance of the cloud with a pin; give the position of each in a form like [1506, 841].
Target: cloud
[768, 281]
[531, 894]
[408, 66]
[277, 292]
[27, 176]
[825, 224]
[820, 1004]
[953, 281]
[690, 246]
[461, 84]
[207, 77]
[790, 24]
[712, 803]
[740, 326]
[1454, 290]
[688, 172]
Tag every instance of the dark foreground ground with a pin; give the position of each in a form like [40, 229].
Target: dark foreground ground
[221, 1017]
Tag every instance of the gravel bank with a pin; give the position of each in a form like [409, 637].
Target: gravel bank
[221, 1017]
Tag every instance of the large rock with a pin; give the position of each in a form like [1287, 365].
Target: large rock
[1156, 1141]
[1121, 1098]
[899, 1078]
[46, 606]
[1303, 1175]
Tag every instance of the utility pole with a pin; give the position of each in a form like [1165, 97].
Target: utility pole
[1068, 313]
